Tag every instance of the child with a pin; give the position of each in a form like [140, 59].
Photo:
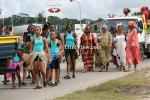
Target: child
[15, 63]
[56, 50]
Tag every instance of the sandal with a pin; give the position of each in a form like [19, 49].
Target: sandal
[38, 87]
[84, 71]
[13, 87]
[100, 71]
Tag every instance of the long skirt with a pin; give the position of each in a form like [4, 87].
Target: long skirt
[88, 60]
[133, 54]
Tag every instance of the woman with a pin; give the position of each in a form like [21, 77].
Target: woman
[120, 45]
[105, 52]
[38, 54]
[87, 40]
[133, 55]
[70, 49]
[127, 12]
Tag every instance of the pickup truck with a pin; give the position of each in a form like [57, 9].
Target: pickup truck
[8, 48]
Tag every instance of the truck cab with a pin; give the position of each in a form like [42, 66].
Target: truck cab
[112, 22]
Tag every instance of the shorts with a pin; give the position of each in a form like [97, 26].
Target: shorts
[55, 64]
[37, 58]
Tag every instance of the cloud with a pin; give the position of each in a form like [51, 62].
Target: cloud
[90, 9]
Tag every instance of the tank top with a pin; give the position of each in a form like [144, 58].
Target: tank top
[16, 58]
[70, 39]
[48, 37]
[38, 45]
[54, 48]
[31, 37]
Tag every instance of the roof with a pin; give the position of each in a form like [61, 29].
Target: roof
[134, 17]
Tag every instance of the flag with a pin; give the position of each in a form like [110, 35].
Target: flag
[53, 10]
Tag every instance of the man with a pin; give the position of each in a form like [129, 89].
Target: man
[1, 28]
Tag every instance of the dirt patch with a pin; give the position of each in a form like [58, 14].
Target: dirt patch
[133, 90]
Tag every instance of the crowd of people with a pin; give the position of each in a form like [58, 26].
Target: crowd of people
[44, 47]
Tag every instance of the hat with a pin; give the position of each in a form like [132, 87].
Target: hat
[132, 23]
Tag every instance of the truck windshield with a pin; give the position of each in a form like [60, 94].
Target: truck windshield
[113, 23]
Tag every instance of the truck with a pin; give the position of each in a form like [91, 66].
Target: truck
[8, 48]
[144, 39]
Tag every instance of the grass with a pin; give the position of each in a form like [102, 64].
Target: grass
[105, 91]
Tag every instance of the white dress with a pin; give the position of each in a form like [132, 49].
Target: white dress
[120, 49]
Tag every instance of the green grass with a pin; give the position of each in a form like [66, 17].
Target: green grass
[105, 91]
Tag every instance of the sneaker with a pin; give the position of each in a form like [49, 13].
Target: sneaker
[67, 77]
[33, 82]
[56, 83]
[73, 76]
[5, 83]
[44, 83]
[24, 84]
[28, 77]
[38, 87]
[51, 84]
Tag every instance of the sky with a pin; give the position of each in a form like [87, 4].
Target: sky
[90, 9]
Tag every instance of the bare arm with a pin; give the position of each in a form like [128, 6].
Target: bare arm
[46, 47]
[75, 36]
[61, 48]
[31, 46]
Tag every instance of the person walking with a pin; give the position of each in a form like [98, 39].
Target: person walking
[133, 55]
[105, 42]
[38, 55]
[88, 40]
[70, 49]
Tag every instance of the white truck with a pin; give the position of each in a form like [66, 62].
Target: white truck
[144, 39]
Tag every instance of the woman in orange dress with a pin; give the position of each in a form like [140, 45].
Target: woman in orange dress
[87, 50]
[133, 55]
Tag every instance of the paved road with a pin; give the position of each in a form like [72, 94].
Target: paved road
[82, 81]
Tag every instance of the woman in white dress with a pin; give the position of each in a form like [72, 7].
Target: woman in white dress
[120, 45]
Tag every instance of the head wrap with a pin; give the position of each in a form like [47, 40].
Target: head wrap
[132, 23]
[105, 26]
[88, 26]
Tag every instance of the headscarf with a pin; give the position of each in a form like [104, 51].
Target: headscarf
[105, 26]
[132, 23]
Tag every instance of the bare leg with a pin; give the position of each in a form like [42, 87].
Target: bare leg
[19, 78]
[13, 81]
[73, 63]
[36, 70]
[107, 67]
[53, 76]
[101, 67]
[135, 64]
[68, 65]
[24, 75]
[48, 73]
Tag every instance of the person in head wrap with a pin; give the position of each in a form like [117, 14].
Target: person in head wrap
[145, 14]
[127, 12]
[133, 55]
[88, 41]
[120, 44]
[105, 52]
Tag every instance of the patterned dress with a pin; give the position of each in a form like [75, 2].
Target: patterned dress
[87, 49]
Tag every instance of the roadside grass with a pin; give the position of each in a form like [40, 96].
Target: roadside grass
[106, 91]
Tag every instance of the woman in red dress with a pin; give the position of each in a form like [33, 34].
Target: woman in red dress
[87, 48]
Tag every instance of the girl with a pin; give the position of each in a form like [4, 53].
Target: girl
[52, 28]
[15, 63]
[120, 45]
[132, 47]
[25, 55]
[70, 49]
[39, 59]
[56, 50]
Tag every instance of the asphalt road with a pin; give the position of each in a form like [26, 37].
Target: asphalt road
[82, 81]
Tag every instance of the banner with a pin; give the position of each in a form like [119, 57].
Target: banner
[53, 10]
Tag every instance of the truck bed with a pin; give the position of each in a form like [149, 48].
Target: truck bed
[8, 46]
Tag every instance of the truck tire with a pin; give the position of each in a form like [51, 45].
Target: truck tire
[148, 54]
[142, 53]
